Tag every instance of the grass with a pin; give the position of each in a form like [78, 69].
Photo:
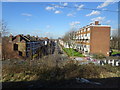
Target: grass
[114, 52]
[72, 52]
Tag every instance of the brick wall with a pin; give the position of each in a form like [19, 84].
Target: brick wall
[100, 40]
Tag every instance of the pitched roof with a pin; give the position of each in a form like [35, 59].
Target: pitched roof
[28, 38]
[21, 38]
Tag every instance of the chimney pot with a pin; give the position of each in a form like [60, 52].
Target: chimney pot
[18, 38]
[11, 37]
[96, 22]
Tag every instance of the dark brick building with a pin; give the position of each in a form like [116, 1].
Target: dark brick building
[27, 45]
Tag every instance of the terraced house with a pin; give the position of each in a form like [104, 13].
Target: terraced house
[27, 46]
[93, 38]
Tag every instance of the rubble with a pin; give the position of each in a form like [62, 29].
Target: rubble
[83, 80]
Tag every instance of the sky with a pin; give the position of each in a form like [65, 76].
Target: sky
[54, 19]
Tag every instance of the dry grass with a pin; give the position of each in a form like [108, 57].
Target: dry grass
[39, 70]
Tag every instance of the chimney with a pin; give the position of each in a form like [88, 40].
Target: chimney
[96, 22]
[37, 38]
[18, 38]
[11, 37]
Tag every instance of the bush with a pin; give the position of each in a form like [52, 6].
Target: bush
[89, 71]
[98, 56]
[68, 71]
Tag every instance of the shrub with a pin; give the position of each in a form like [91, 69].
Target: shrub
[89, 71]
[98, 56]
[70, 70]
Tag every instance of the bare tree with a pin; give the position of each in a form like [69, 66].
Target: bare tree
[3, 32]
[115, 40]
[6, 50]
[119, 37]
[69, 39]
[3, 28]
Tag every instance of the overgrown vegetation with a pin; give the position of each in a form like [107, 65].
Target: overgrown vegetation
[72, 52]
[7, 52]
[99, 56]
[39, 70]
[115, 42]
[115, 52]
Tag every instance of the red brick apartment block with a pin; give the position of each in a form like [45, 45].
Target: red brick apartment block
[93, 39]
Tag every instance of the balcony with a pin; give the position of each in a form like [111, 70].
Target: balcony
[85, 37]
[81, 37]
[78, 42]
[88, 32]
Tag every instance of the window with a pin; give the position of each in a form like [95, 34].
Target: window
[85, 30]
[86, 51]
[88, 29]
[15, 47]
[28, 49]
[85, 46]
[81, 31]
[28, 45]
[20, 53]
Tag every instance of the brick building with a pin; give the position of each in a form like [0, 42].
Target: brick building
[27, 45]
[93, 38]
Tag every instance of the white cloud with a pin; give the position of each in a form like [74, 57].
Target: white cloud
[106, 3]
[108, 21]
[114, 29]
[114, 32]
[57, 12]
[26, 14]
[65, 4]
[54, 8]
[74, 24]
[98, 19]
[93, 13]
[49, 8]
[48, 34]
[104, 9]
[57, 6]
[71, 14]
[79, 7]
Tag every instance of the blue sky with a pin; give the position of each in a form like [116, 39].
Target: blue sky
[54, 19]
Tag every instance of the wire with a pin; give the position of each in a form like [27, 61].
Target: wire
[83, 8]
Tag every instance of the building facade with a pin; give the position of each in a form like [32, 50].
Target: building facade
[93, 38]
[27, 45]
